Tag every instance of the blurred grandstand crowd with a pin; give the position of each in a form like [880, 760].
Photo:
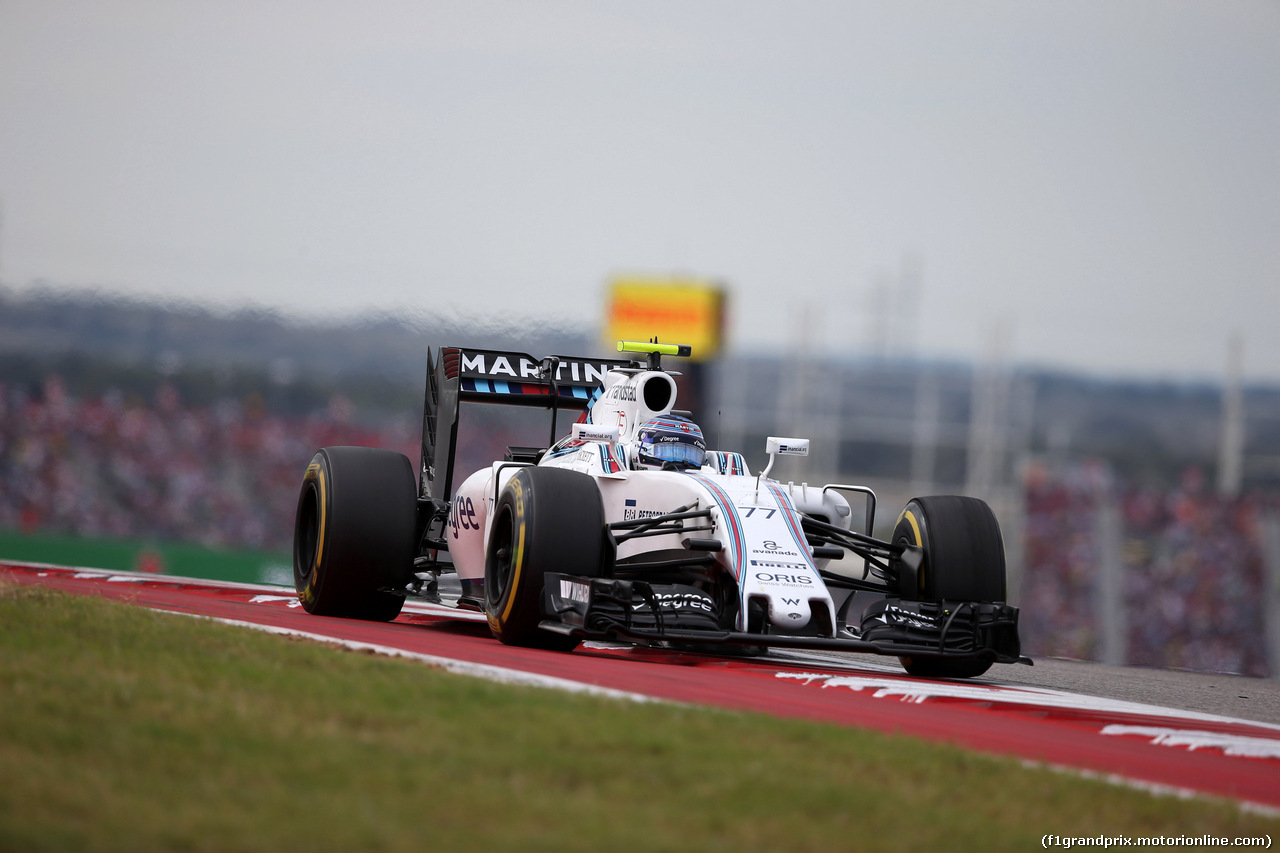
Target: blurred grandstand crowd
[1193, 564]
[226, 476]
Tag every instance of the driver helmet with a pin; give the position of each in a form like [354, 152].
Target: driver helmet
[670, 442]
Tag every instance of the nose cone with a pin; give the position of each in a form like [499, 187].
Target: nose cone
[789, 614]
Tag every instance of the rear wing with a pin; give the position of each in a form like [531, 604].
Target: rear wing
[456, 375]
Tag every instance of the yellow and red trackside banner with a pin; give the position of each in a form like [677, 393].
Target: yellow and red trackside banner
[678, 310]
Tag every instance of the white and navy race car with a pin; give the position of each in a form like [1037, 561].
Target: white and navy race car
[629, 529]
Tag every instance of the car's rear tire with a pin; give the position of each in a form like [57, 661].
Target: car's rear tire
[546, 520]
[353, 533]
[963, 561]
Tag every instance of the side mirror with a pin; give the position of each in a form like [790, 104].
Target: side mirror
[778, 446]
[594, 432]
[785, 446]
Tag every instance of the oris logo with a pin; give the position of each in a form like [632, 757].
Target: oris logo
[771, 577]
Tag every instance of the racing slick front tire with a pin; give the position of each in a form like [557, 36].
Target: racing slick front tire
[353, 533]
[963, 561]
[546, 520]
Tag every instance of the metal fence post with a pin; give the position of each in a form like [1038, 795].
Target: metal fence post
[1110, 614]
[1271, 590]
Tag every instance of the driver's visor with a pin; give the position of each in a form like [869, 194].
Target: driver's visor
[677, 452]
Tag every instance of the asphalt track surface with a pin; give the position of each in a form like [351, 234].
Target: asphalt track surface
[1175, 732]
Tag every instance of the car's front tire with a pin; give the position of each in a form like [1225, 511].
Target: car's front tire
[963, 561]
[546, 520]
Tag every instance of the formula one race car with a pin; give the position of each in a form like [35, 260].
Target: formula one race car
[629, 529]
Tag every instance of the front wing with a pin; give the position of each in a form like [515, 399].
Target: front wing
[630, 611]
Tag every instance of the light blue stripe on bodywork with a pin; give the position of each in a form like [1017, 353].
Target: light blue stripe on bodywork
[789, 514]
[729, 513]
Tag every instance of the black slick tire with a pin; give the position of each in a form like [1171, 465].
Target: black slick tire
[354, 532]
[963, 561]
[546, 520]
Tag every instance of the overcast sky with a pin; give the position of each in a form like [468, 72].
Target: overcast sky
[1098, 180]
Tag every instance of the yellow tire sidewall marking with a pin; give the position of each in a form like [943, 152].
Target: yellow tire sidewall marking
[915, 526]
[517, 558]
[316, 472]
[324, 503]
[919, 543]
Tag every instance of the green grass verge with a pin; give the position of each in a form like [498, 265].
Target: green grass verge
[125, 729]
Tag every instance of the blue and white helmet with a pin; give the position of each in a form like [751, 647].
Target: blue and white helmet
[670, 441]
